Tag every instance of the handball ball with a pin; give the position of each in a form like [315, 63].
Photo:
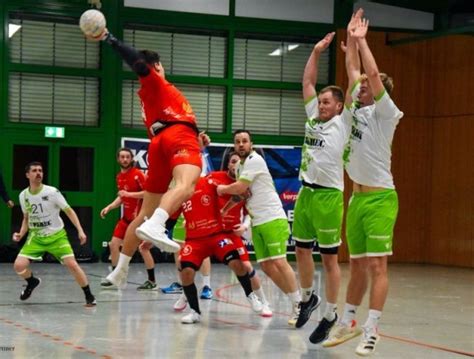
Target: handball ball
[92, 23]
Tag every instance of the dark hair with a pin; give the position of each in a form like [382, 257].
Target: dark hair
[31, 164]
[236, 132]
[336, 91]
[126, 149]
[150, 57]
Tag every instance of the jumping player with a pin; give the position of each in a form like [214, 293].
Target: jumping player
[173, 153]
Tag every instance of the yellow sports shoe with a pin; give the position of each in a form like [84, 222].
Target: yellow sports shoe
[341, 333]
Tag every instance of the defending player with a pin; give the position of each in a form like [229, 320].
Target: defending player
[41, 205]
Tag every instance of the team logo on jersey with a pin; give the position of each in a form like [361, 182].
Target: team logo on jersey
[191, 225]
[224, 242]
[205, 200]
[187, 249]
[182, 153]
[187, 107]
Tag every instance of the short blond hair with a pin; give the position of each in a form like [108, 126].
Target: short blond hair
[387, 81]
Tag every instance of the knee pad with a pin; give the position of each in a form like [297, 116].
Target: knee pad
[231, 256]
[252, 274]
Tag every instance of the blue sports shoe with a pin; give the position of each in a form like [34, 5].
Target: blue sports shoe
[174, 288]
[206, 292]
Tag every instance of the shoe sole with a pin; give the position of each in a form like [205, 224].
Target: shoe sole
[165, 245]
[169, 292]
[356, 333]
[266, 315]
[197, 321]
[206, 298]
[148, 290]
[180, 309]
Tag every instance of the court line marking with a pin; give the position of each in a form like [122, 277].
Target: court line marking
[54, 339]
[225, 299]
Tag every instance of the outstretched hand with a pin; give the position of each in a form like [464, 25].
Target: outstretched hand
[325, 42]
[97, 38]
[351, 26]
[361, 29]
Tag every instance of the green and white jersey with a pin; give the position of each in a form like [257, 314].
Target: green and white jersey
[43, 210]
[264, 205]
[369, 150]
[323, 148]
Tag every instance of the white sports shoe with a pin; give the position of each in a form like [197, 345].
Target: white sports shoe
[156, 235]
[295, 313]
[266, 311]
[191, 318]
[341, 333]
[181, 303]
[118, 276]
[105, 284]
[368, 342]
[255, 302]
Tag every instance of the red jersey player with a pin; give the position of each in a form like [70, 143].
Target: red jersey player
[205, 238]
[130, 185]
[173, 153]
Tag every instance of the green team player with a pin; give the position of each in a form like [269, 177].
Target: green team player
[319, 206]
[373, 207]
[41, 205]
[270, 229]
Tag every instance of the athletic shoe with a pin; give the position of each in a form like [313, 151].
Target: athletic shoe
[295, 313]
[255, 302]
[191, 318]
[181, 303]
[174, 288]
[90, 301]
[118, 276]
[156, 235]
[266, 311]
[341, 333]
[321, 333]
[105, 284]
[206, 292]
[26, 293]
[368, 342]
[148, 285]
[306, 309]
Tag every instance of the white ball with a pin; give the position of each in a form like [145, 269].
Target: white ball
[92, 23]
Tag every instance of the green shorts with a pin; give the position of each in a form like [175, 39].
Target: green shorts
[318, 216]
[270, 239]
[56, 244]
[370, 221]
[179, 231]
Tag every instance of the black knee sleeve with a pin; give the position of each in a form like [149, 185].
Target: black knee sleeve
[231, 256]
[189, 265]
[332, 250]
[307, 245]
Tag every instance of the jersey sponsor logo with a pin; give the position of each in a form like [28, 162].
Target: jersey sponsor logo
[40, 224]
[224, 242]
[356, 134]
[315, 142]
[187, 107]
[205, 200]
[187, 250]
[182, 153]
[45, 198]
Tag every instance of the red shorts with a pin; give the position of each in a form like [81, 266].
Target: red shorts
[176, 145]
[241, 248]
[121, 228]
[195, 250]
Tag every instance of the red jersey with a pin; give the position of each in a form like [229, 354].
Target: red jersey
[201, 211]
[163, 101]
[233, 216]
[131, 181]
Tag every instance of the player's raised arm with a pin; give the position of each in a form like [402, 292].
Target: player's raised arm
[368, 60]
[310, 75]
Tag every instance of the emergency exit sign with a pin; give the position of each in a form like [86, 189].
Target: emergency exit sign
[54, 132]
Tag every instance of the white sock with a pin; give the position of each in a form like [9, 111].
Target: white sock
[295, 297]
[123, 261]
[306, 294]
[373, 319]
[160, 216]
[261, 295]
[206, 280]
[330, 313]
[349, 314]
